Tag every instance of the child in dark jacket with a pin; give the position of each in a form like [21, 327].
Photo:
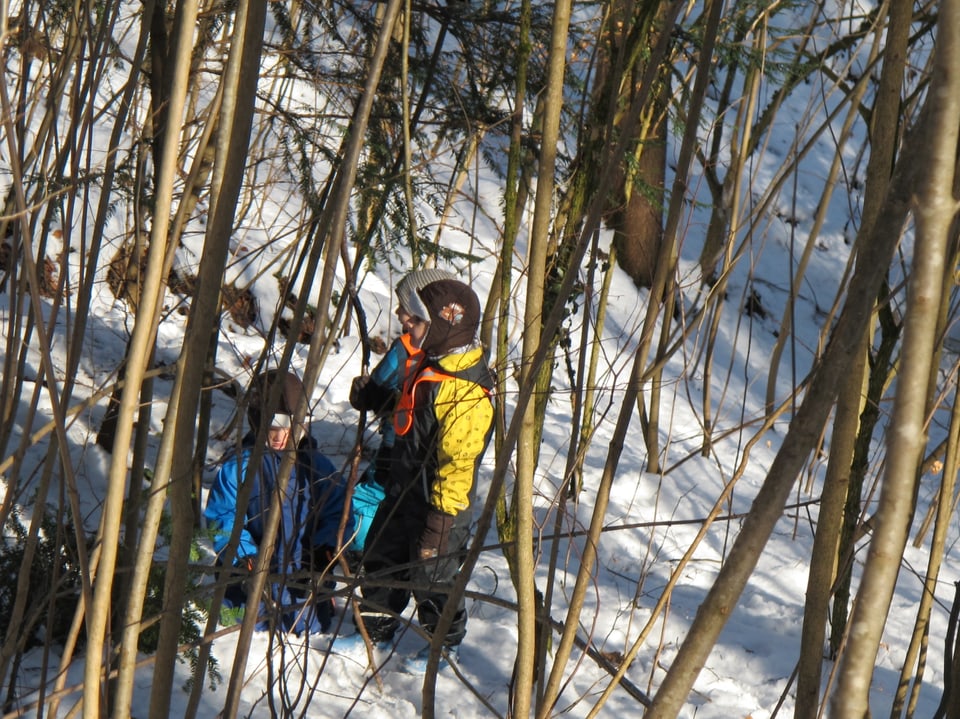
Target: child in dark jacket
[442, 421]
[378, 392]
[311, 508]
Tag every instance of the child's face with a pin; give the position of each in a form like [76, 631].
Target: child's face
[278, 437]
[413, 326]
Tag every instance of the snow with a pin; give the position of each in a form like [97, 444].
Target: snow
[748, 670]
[651, 523]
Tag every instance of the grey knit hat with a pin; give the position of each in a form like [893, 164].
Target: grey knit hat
[409, 287]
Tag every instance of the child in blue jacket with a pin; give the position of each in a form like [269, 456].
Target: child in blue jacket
[311, 508]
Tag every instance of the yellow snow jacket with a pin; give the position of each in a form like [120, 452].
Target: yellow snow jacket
[443, 421]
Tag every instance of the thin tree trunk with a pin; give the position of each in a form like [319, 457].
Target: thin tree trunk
[592, 541]
[590, 339]
[801, 437]
[664, 269]
[234, 123]
[882, 370]
[934, 213]
[921, 633]
[743, 143]
[141, 344]
[527, 446]
[824, 560]
[661, 289]
[513, 202]
[173, 471]
[407, 149]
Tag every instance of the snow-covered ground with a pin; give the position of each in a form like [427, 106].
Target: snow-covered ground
[652, 519]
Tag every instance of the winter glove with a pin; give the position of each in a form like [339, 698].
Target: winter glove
[246, 583]
[321, 559]
[436, 532]
[366, 394]
[357, 395]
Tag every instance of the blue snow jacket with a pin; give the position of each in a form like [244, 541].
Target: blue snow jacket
[311, 509]
[388, 377]
[380, 395]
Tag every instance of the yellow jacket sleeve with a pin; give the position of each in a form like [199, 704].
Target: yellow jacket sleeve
[464, 413]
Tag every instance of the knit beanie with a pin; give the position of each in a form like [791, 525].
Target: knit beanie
[290, 394]
[411, 283]
[454, 312]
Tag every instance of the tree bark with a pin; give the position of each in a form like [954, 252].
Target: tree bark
[801, 437]
[140, 349]
[233, 137]
[934, 213]
[824, 559]
[527, 446]
[919, 641]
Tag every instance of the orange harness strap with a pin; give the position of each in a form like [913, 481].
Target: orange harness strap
[403, 417]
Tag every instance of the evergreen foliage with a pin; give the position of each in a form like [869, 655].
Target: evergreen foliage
[54, 577]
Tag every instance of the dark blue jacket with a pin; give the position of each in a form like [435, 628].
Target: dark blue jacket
[311, 507]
